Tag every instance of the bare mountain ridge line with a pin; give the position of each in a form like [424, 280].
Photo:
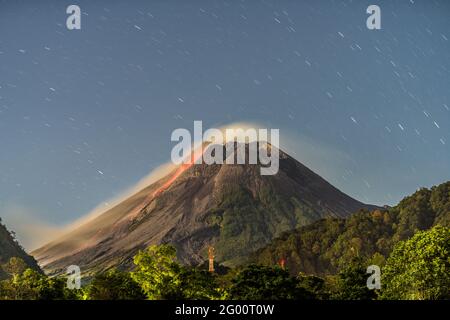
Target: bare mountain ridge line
[231, 207]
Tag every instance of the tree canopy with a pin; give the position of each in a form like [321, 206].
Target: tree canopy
[257, 282]
[419, 268]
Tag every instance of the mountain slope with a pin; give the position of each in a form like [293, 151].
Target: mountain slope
[326, 245]
[231, 207]
[10, 248]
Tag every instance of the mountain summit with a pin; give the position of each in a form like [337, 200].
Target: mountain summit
[230, 206]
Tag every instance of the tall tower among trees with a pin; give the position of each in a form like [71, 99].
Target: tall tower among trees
[211, 259]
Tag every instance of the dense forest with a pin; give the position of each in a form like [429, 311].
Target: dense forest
[327, 245]
[325, 260]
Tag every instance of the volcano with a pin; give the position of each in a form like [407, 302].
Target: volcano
[229, 206]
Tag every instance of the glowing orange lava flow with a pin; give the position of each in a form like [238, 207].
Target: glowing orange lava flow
[182, 168]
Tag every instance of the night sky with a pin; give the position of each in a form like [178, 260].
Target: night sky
[85, 114]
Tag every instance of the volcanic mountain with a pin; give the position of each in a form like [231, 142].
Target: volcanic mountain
[230, 206]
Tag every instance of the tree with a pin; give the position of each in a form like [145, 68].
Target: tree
[158, 272]
[32, 285]
[199, 284]
[114, 285]
[257, 282]
[352, 282]
[419, 268]
[161, 276]
[316, 285]
[14, 266]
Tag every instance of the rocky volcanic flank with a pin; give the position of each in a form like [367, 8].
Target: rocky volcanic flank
[232, 207]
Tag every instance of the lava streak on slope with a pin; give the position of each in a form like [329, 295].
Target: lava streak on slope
[182, 168]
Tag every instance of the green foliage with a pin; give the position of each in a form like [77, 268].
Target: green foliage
[114, 285]
[266, 283]
[14, 266]
[158, 272]
[352, 282]
[319, 288]
[162, 277]
[326, 246]
[32, 285]
[419, 268]
[199, 285]
[440, 203]
[413, 213]
[10, 248]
